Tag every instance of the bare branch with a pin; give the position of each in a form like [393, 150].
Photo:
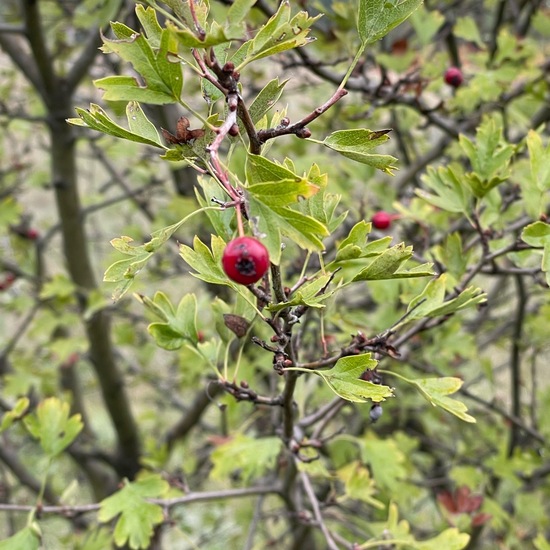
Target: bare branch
[306, 482]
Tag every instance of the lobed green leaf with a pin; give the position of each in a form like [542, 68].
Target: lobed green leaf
[539, 159]
[538, 234]
[279, 34]
[449, 193]
[356, 144]
[206, 262]
[155, 60]
[311, 295]
[178, 325]
[343, 379]
[272, 221]
[359, 484]
[19, 410]
[385, 459]
[149, 22]
[215, 35]
[250, 456]
[431, 301]
[139, 124]
[97, 119]
[52, 426]
[138, 518]
[436, 391]
[26, 539]
[266, 99]
[450, 539]
[489, 156]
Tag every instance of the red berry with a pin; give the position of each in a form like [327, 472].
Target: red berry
[382, 220]
[245, 260]
[453, 77]
[9, 279]
[32, 234]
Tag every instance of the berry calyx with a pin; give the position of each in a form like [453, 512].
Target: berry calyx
[453, 77]
[245, 260]
[382, 220]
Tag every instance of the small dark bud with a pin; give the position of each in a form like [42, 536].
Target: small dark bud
[375, 412]
[236, 324]
[234, 130]
[229, 67]
[232, 102]
[236, 76]
[285, 122]
[303, 133]
[244, 384]
[287, 363]
[371, 375]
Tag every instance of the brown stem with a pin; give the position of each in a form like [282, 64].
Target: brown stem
[40, 53]
[249, 126]
[288, 405]
[515, 361]
[308, 487]
[270, 133]
[201, 33]
[205, 496]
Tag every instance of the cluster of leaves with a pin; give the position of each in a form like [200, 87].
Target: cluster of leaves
[281, 202]
[304, 345]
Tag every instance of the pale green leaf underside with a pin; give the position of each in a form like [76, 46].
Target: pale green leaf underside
[343, 379]
[357, 145]
[97, 119]
[431, 301]
[436, 392]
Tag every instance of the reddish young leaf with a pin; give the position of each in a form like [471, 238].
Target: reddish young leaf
[480, 519]
[445, 498]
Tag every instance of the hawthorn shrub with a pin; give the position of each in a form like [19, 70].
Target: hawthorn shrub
[334, 383]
